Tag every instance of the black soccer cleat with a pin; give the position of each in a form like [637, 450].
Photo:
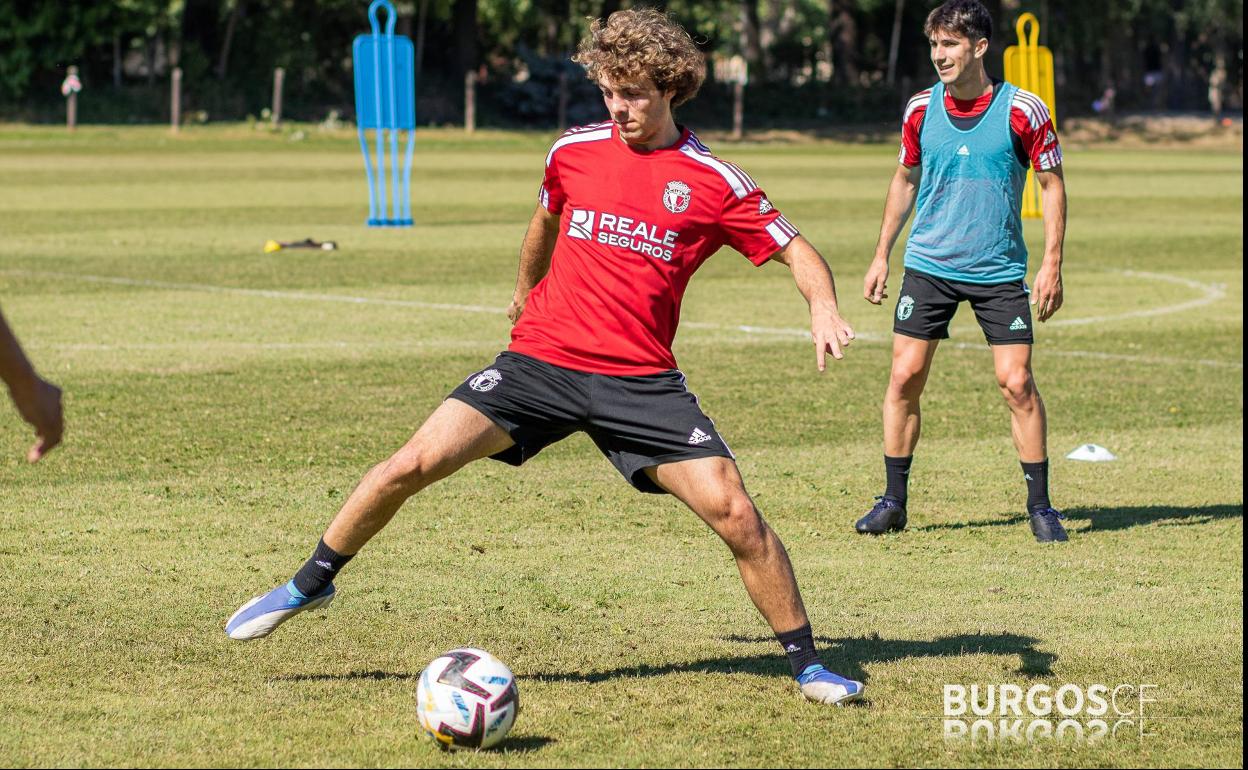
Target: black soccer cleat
[888, 515]
[1047, 527]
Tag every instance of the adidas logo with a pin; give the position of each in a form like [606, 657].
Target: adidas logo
[964, 150]
[699, 436]
[324, 564]
[764, 206]
[792, 648]
[1018, 325]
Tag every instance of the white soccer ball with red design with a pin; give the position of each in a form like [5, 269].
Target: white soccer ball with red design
[467, 699]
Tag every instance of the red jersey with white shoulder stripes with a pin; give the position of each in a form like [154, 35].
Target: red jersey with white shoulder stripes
[634, 227]
[1035, 138]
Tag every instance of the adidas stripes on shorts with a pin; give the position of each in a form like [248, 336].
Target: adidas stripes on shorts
[926, 304]
[638, 422]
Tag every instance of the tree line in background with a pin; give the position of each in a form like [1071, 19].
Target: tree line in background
[810, 62]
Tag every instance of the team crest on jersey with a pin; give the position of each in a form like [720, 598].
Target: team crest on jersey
[676, 196]
[905, 306]
[764, 206]
[485, 380]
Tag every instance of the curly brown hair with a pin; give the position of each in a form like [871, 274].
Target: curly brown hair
[643, 42]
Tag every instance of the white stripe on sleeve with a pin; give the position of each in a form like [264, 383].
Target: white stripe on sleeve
[739, 187]
[595, 135]
[1032, 106]
[920, 99]
[778, 234]
[786, 226]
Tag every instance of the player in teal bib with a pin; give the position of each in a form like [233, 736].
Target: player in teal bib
[967, 143]
[970, 178]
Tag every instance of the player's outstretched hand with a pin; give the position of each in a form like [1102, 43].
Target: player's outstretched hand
[832, 335]
[41, 407]
[875, 283]
[1046, 295]
[514, 311]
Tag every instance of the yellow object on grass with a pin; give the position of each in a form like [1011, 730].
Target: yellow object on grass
[1029, 66]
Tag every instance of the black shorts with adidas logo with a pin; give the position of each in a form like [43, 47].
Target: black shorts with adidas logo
[926, 304]
[637, 421]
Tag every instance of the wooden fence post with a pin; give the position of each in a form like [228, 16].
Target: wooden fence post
[470, 101]
[175, 100]
[738, 110]
[70, 89]
[279, 79]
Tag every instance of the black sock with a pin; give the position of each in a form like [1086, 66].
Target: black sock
[1037, 475]
[799, 645]
[319, 571]
[897, 471]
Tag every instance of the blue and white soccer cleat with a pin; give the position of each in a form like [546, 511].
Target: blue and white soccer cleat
[258, 617]
[822, 686]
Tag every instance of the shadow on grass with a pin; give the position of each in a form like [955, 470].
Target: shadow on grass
[525, 744]
[349, 676]
[1136, 516]
[1104, 519]
[845, 656]
[1005, 521]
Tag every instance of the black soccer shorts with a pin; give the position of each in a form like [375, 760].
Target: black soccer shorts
[926, 306]
[637, 421]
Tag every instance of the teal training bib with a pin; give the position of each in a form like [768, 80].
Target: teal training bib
[967, 221]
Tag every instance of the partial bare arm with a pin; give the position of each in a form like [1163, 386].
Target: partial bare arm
[535, 252]
[37, 400]
[1047, 295]
[902, 191]
[814, 280]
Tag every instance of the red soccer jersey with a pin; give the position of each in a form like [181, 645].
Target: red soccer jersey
[633, 228]
[1035, 139]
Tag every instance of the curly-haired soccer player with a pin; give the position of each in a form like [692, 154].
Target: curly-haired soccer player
[628, 210]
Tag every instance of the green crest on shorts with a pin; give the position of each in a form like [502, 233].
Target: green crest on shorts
[905, 306]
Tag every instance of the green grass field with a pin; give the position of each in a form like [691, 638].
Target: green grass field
[221, 403]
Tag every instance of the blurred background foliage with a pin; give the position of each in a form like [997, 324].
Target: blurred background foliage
[811, 62]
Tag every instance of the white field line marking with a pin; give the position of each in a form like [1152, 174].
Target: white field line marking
[1124, 357]
[984, 348]
[1210, 292]
[265, 293]
[104, 347]
[772, 331]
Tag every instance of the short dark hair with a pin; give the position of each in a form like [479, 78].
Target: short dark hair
[963, 17]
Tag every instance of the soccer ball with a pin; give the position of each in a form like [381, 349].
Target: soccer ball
[467, 699]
